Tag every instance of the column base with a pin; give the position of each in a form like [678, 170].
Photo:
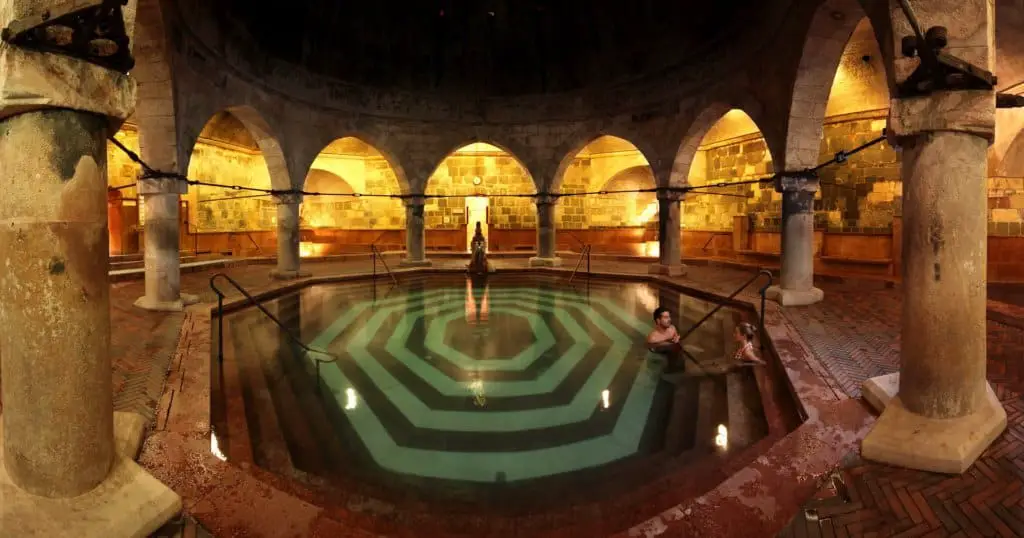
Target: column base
[184, 299]
[129, 502]
[415, 263]
[908, 440]
[666, 270]
[538, 261]
[278, 274]
[788, 297]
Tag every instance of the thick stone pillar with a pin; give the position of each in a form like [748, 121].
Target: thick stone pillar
[670, 253]
[163, 252]
[796, 285]
[58, 457]
[415, 233]
[547, 244]
[288, 237]
[944, 413]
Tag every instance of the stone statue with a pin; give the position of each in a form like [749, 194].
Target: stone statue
[478, 264]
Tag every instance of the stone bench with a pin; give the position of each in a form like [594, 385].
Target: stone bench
[857, 261]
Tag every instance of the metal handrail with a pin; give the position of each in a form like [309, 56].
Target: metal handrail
[254, 243]
[375, 254]
[762, 272]
[220, 323]
[585, 252]
[712, 238]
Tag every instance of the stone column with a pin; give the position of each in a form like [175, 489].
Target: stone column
[415, 233]
[670, 254]
[58, 458]
[163, 252]
[547, 255]
[796, 285]
[943, 414]
[288, 237]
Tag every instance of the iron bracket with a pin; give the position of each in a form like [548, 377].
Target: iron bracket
[938, 71]
[92, 31]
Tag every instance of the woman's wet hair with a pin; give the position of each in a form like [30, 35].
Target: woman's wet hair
[747, 330]
[659, 311]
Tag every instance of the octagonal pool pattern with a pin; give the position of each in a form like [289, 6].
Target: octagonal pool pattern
[507, 392]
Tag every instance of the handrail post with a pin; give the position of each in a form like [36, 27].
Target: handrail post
[220, 327]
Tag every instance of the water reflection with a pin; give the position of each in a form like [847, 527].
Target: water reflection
[477, 299]
[351, 398]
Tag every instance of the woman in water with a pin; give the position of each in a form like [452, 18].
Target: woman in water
[744, 335]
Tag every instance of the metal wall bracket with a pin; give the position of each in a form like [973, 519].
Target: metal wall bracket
[92, 31]
[938, 71]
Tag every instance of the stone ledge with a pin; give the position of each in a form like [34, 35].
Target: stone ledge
[787, 297]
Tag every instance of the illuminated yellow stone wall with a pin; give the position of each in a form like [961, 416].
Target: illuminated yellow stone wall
[121, 170]
[607, 164]
[732, 160]
[216, 209]
[351, 166]
[499, 173]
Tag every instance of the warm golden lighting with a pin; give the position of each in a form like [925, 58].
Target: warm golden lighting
[722, 439]
[477, 388]
[350, 398]
[649, 213]
[309, 250]
[215, 448]
[652, 249]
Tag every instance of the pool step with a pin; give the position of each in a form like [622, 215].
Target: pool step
[746, 416]
[236, 443]
[270, 448]
[681, 431]
[303, 449]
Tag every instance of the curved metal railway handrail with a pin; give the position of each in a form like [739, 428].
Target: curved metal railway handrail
[310, 352]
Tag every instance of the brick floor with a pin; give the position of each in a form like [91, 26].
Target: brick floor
[854, 333]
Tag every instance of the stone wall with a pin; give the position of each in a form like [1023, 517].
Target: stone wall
[215, 209]
[499, 174]
[738, 159]
[353, 174]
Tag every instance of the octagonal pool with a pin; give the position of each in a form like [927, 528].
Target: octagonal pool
[510, 393]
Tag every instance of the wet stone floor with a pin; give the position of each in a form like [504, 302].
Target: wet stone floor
[853, 333]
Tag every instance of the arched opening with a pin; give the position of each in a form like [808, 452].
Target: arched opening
[124, 220]
[228, 220]
[732, 150]
[617, 222]
[341, 224]
[862, 194]
[469, 179]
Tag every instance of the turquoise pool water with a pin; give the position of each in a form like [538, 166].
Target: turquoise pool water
[454, 388]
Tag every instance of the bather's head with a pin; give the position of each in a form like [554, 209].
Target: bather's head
[662, 318]
[744, 332]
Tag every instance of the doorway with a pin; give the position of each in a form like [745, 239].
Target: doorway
[477, 208]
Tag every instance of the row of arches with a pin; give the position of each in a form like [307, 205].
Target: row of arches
[724, 145]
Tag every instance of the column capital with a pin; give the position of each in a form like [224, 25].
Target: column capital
[546, 199]
[414, 200]
[32, 81]
[796, 184]
[671, 196]
[288, 198]
[969, 111]
[163, 185]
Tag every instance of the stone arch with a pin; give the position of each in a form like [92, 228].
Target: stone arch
[635, 208]
[500, 172]
[373, 142]
[570, 150]
[590, 168]
[830, 29]
[468, 143]
[698, 129]
[351, 165]
[231, 150]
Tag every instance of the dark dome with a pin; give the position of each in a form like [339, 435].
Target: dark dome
[492, 47]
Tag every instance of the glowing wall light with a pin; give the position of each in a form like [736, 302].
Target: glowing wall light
[647, 214]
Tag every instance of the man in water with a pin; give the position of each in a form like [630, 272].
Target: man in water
[664, 339]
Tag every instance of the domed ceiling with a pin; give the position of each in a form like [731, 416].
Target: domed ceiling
[494, 47]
